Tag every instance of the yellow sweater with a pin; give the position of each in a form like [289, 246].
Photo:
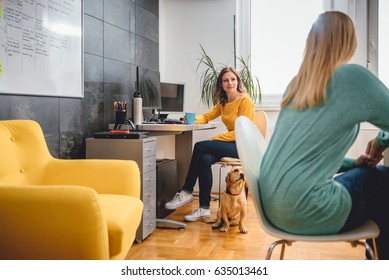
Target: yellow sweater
[243, 106]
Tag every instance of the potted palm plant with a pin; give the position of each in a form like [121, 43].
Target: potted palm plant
[208, 78]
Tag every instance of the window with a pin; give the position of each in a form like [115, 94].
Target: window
[278, 32]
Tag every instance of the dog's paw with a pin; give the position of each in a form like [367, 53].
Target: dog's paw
[223, 229]
[243, 230]
[215, 226]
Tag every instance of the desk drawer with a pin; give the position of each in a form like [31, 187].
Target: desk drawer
[149, 225]
[149, 149]
[149, 179]
[149, 209]
[149, 164]
[149, 193]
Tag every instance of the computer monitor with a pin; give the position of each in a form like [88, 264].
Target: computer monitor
[148, 84]
[172, 97]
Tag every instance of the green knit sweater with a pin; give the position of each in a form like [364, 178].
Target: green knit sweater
[308, 147]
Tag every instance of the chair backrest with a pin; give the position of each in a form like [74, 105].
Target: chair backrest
[24, 153]
[260, 119]
[251, 147]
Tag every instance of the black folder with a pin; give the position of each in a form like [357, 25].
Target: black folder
[122, 135]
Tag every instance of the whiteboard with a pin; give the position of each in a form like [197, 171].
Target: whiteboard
[41, 47]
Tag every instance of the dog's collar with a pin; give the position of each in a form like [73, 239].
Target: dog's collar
[228, 192]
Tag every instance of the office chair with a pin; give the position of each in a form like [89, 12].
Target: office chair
[251, 147]
[260, 119]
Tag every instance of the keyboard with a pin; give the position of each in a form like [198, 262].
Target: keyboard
[172, 121]
[163, 121]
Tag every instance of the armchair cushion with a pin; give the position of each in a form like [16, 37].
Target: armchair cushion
[39, 222]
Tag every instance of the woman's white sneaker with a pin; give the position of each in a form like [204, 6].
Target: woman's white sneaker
[198, 214]
[179, 200]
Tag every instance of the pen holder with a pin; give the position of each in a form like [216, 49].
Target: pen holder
[120, 117]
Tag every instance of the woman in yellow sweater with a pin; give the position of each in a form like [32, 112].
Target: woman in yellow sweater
[233, 101]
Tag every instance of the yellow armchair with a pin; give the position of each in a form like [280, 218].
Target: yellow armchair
[63, 209]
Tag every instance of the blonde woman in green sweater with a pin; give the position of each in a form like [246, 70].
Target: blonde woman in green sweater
[319, 120]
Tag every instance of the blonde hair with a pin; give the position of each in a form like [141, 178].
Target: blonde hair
[331, 42]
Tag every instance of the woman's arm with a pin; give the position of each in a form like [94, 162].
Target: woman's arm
[350, 163]
[210, 115]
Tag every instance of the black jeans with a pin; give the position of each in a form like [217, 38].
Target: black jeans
[205, 153]
[369, 191]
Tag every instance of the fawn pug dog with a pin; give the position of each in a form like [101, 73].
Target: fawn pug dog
[233, 201]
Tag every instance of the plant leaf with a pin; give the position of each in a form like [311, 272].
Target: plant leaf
[208, 79]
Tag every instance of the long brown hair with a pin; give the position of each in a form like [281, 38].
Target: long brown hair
[331, 42]
[219, 95]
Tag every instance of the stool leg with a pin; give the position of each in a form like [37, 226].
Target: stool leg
[220, 182]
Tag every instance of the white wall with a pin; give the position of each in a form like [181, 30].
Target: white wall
[184, 25]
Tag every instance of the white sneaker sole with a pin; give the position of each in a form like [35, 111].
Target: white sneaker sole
[174, 207]
[193, 219]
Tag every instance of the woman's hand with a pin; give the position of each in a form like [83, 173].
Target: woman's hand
[361, 160]
[374, 152]
[365, 160]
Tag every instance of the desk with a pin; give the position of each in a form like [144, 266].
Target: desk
[184, 142]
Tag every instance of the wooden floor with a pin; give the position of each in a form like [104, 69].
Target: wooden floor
[200, 242]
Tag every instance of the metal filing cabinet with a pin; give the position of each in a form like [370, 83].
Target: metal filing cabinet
[142, 151]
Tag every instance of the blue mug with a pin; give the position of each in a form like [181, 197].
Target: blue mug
[190, 118]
